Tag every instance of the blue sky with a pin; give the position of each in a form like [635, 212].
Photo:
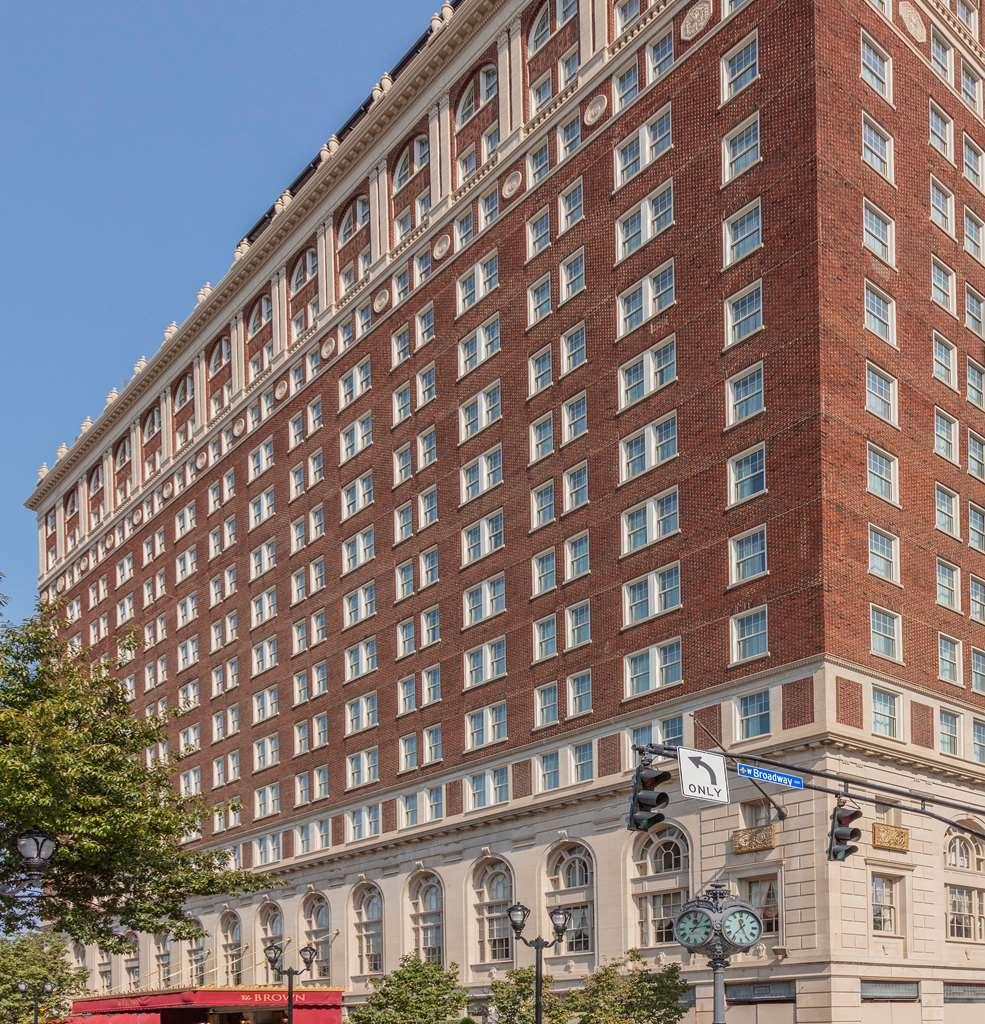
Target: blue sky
[140, 143]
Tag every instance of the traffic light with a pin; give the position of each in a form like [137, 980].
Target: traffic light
[647, 798]
[842, 833]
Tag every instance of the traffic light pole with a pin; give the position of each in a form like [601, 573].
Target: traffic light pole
[661, 750]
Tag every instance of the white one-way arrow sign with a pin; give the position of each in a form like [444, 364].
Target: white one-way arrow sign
[703, 775]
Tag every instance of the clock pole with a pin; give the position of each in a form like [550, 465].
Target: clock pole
[729, 925]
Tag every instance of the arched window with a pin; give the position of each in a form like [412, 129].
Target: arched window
[663, 852]
[304, 270]
[317, 933]
[196, 960]
[493, 896]
[271, 932]
[488, 83]
[184, 392]
[220, 355]
[403, 171]
[232, 949]
[427, 910]
[260, 315]
[966, 853]
[162, 961]
[466, 106]
[540, 32]
[152, 423]
[570, 873]
[367, 905]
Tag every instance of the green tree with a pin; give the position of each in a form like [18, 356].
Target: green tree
[34, 958]
[72, 763]
[624, 991]
[512, 999]
[417, 992]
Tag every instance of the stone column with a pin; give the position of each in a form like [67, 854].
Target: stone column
[278, 298]
[434, 145]
[136, 455]
[237, 354]
[444, 132]
[503, 79]
[516, 74]
[601, 25]
[375, 243]
[326, 264]
[167, 422]
[383, 206]
[83, 506]
[109, 482]
[586, 35]
[59, 528]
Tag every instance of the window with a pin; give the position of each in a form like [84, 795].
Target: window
[485, 662]
[740, 149]
[627, 11]
[545, 638]
[941, 206]
[626, 85]
[478, 282]
[942, 289]
[484, 600]
[643, 147]
[538, 300]
[877, 147]
[645, 221]
[540, 93]
[653, 445]
[544, 568]
[743, 233]
[540, 366]
[574, 417]
[650, 521]
[949, 667]
[885, 633]
[538, 233]
[883, 554]
[546, 699]
[884, 905]
[740, 67]
[877, 68]
[941, 131]
[882, 474]
[750, 635]
[880, 313]
[946, 505]
[483, 537]
[653, 668]
[575, 487]
[748, 556]
[485, 726]
[754, 715]
[478, 412]
[880, 393]
[744, 395]
[482, 474]
[941, 56]
[878, 233]
[657, 592]
[660, 56]
[974, 235]
[572, 275]
[945, 435]
[948, 585]
[747, 475]
[743, 314]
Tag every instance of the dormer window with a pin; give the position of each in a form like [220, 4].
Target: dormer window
[304, 270]
[541, 30]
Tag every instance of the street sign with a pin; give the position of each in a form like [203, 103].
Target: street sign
[703, 775]
[750, 771]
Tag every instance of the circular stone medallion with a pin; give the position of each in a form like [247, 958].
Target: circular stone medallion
[596, 109]
[382, 298]
[238, 427]
[327, 347]
[201, 460]
[168, 489]
[136, 517]
[512, 184]
[441, 247]
[280, 390]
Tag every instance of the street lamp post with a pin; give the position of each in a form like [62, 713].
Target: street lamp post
[275, 957]
[36, 849]
[518, 915]
[45, 990]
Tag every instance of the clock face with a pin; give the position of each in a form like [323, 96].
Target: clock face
[694, 928]
[742, 927]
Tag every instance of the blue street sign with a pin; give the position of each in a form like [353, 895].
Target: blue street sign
[750, 771]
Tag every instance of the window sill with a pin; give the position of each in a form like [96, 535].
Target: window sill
[750, 579]
[748, 419]
[740, 662]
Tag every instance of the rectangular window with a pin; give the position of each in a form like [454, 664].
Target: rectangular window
[885, 633]
[883, 554]
[942, 286]
[747, 556]
[880, 393]
[643, 147]
[882, 474]
[878, 233]
[941, 132]
[743, 314]
[653, 668]
[747, 475]
[745, 395]
[877, 147]
[949, 666]
[880, 313]
[650, 521]
[740, 149]
[941, 206]
[754, 715]
[750, 635]
[740, 67]
[884, 919]
[657, 592]
[653, 445]
[877, 68]
[743, 233]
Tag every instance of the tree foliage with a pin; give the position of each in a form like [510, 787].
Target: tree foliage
[417, 992]
[512, 999]
[626, 992]
[72, 763]
[34, 958]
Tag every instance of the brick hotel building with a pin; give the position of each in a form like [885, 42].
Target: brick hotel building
[616, 372]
